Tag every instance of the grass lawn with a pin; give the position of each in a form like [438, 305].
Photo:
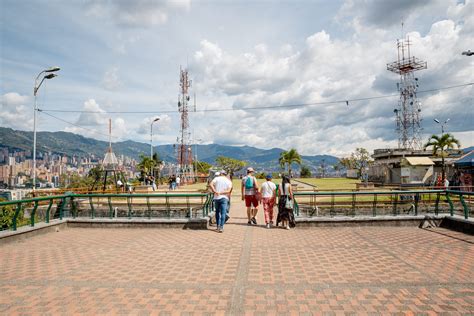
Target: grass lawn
[334, 184]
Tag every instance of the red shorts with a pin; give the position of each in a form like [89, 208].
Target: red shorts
[251, 200]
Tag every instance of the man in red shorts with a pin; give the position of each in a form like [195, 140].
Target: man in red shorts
[249, 194]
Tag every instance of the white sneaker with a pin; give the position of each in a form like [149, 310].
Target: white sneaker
[287, 227]
[268, 225]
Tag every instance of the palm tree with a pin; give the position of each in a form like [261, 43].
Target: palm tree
[289, 157]
[441, 146]
[146, 165]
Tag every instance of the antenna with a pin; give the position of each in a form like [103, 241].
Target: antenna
[402, 35]
[407, 114]
[110, 134]
[184, 153]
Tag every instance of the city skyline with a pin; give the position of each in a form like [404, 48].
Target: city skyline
[125, 57]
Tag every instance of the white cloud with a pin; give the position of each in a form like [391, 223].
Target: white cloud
[137, 13]
[328, 69]
[289, 60]
[162, 125]
[15, 112]
[93, 115]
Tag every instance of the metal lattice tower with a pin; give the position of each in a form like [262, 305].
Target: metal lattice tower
[185, 155]
[408, 113]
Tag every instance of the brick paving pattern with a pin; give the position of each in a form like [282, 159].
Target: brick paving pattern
[247, 270]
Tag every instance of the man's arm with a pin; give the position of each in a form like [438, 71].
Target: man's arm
[213, 188]
[242, 189]
[256, 184]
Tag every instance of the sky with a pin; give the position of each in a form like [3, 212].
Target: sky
[124, 56]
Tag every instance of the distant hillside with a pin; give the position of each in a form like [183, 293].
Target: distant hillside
[72, 144]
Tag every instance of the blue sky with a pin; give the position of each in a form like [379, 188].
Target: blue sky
[119, 55]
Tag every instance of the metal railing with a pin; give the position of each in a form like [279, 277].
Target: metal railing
[159, 205]
[195, 205]
[380, 203]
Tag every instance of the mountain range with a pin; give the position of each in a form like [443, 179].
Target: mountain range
[72, 144]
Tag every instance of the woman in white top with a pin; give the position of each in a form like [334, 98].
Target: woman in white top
[268, 191]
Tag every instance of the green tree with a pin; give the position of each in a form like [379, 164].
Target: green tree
[7, 213]
[96, 173]
[337, 168]
[346, 163]
[202, 166]
[440, 147]
[305, 172]
[360, 159]
[146, 165]
[158, 161]
[288, 158]
[230, 165]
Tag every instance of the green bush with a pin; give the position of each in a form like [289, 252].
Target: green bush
[7, 213]
[6, 217]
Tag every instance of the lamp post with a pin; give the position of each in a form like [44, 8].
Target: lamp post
[196, 142]
[51, 75]
[151, 136]
[442, 125]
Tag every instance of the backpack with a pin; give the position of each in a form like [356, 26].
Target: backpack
[249, 183]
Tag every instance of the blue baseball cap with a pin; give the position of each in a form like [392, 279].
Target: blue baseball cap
[268, 176]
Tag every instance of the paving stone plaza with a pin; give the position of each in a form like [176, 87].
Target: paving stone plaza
[246, 270]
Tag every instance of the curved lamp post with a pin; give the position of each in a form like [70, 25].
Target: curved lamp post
[442, 125]
[151, 136]
[50, 75]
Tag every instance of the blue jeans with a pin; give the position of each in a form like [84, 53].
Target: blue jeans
[221, 211]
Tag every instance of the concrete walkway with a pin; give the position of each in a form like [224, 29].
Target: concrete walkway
[245, 270]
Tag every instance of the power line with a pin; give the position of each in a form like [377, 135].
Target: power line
[344, 101]
[85, 128]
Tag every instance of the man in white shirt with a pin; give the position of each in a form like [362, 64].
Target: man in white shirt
[178, 181]
[221, 186]
[268, 190]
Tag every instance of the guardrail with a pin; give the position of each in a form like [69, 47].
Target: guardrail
[159, 205]
[376, 203]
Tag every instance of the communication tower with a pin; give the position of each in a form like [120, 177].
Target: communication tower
[185, 155]
[408, 113]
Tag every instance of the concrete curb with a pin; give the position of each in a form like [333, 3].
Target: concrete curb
[458, 224]
[199, 223]
[416, 221]
[26, 232]
[57, 225]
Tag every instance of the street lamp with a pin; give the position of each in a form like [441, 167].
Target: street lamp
[151, 137]
[442, 125]
[51, 75]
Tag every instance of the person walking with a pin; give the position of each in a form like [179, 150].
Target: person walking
[173, 182]
[249, 190]
[221, 186]
[178, 181]
[285, 204]
[268, 191]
